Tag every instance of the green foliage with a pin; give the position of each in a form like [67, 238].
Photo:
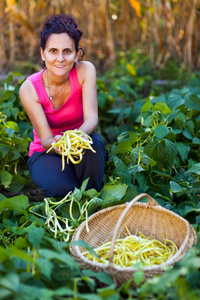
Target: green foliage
[160, 154]
[13, 148]
[34, 265]
[10, 104]
[14, 136]
[132, 78]
[153, 140]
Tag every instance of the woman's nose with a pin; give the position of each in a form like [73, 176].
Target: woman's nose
[60, 57]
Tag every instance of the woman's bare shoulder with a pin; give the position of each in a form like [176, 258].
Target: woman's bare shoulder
[26, 86]
[27, 90]
[85, 69]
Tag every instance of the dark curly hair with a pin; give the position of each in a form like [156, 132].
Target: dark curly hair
[61, 24]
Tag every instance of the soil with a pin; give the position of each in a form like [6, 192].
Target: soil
[33, 192]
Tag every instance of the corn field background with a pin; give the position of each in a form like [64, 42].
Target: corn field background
[162, 28]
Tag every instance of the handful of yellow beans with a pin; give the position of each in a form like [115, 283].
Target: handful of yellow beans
[134, 249]
[72, 145]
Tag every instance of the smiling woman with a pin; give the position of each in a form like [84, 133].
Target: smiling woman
[62, 97]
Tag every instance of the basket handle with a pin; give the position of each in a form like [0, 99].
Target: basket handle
[151, 202]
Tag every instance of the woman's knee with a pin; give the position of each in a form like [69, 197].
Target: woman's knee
[57, 190]
[46, 173]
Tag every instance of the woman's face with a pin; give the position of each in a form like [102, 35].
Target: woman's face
[59, 54]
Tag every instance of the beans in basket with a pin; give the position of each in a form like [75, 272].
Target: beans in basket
[133, 249]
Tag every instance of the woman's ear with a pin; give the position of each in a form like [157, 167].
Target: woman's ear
[77, 56]
[42, 54]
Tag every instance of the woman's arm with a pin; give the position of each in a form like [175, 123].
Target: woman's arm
[34, 110]
[87, 78]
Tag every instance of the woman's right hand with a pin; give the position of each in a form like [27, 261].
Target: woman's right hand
[57, 138]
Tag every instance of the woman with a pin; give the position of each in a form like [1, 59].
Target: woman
[62, 97]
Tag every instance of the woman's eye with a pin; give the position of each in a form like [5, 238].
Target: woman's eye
[67, 51]
[53, 50]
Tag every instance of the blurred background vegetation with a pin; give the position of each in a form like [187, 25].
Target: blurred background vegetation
[164, 30]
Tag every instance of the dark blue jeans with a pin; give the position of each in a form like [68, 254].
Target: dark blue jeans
[45, 170]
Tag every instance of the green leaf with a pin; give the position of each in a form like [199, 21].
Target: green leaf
[3, 254]
[133, 137]
[195, 186]
[161, 107]
[5, 293]
[194, 169]
[190, 125]
[17, 203]
[4, 150]
[101, 276]
[21, 243]
[161, 131]
[142, 181]
[176, 188]
[2, 197]
[183, 150]
[175, 100]
[17, 183]
[35, 236]
[91, 296]
[111, 201]
[117, 191]
[21, 145]
[60, 256]
[19, 253]
[13, 125]
[11, 282]
[136, 169]
[146, 107]
[187, 134]
[83, 244]
[121, 170]
[196, 141]
[84, 185]
[171, 151]
[92, 193]
[130, 193]
[102, 100]
[180, 120]
[138, 277]
[8, 79]
[45, 266]
[15, 112]
[193, 102]
[122, 147]
[77, 194]
[156, 151]
[6, 178]
[189, 209]
[93, 205]
[9, 131]
[150, 120]
[108, 293]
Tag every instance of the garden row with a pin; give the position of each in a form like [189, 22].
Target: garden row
[153, 139]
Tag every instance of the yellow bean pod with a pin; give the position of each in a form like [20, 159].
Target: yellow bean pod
[133, 249]
[72, 145]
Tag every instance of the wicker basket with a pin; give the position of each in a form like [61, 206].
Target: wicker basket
[149, 218]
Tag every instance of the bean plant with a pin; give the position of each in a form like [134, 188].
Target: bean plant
[153, 137]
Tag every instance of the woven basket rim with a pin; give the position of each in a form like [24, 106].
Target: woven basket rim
[143, 204]
[169, 262]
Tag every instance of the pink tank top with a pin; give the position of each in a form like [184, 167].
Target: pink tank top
[68, 117]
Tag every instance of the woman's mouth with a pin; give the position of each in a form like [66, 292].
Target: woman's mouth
[60, 67]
